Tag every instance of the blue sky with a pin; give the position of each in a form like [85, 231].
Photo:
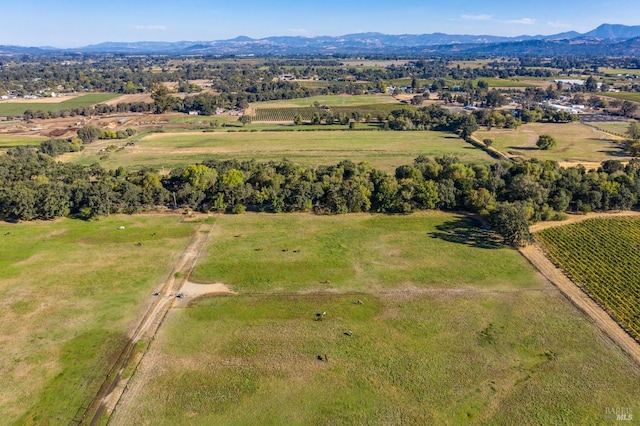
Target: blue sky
[74, 23]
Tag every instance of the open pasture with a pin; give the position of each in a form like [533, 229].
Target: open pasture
[385, 150]
[18, 108]
[615, 71]
[598, 255]
[407, 338]
[503, 82]
[617, 127]
[71, 290]
[356, 252]
[576, 142]
[625, 96]
[9, 141]
[329, 100]
[288, 114]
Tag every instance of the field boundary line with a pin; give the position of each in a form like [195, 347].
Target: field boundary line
[148, 325]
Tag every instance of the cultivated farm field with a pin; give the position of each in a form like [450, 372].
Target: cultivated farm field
[598, 255]
[428, 321]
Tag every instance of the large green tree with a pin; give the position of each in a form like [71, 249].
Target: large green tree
[89, 133]
[162, 99]
[510, 221]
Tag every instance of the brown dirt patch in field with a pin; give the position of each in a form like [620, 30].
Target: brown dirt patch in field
[589, 165]
[192, 290]
[405, 97]
[155, 136]
[533, 138]
[138, 97]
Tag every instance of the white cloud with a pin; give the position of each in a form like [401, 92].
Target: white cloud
[477, 17]
[299, 31]
[558, 24]
[522, 21]
[150, 27]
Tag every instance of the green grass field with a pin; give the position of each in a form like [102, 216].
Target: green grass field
[9, 141]
[385, 150]
[625, 96]
[576, 142]
[615, 71]
[352, 252]
[596, 253]
[71, 291]
[451, 330]
[288, 114]
[17, 108]
[330, 100]
[502, 82]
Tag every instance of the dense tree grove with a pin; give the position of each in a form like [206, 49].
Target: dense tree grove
[35, 186]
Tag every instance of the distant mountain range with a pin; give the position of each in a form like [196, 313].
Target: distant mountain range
[607, 39]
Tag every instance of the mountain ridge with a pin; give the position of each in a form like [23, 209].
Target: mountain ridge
[604, 37]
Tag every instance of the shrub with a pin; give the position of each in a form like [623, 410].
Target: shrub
[546, 142]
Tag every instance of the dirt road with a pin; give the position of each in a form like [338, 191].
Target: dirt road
[600, 317]
[573, 218]
[112, 387]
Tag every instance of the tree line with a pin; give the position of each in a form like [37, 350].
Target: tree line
[33, 185]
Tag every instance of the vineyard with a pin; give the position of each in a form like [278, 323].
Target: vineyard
[600, 256]
[288, 113]
[285, 114]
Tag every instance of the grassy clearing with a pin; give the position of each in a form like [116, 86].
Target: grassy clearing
[612, 276]
[10, 141]
[385, 150]
[484, 342]
[501, 82]
[616, 71]
[315, 84]
[16, 108]
[619, 127]
[329, 100]
[625, 96]
[576, 142]
[288, 114]
[71, 289]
